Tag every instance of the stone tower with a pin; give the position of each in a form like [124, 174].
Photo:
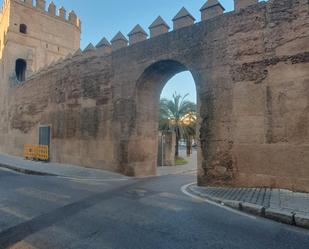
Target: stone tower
[32, 37]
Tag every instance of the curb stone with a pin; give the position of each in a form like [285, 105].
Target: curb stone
[252, 208]
[302, 220]
[280, 215]
[232, 204]
[25, 171]
[283, 216]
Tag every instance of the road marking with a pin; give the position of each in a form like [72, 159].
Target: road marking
[43, 195]
[161, 204]
[23, 245]
[12, 211]
[9, 170]
[90, 183]
[179, 172]
[92, 179]
[184, 191]
[177, 197]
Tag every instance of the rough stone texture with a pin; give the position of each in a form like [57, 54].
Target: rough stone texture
[251, 72]
[183, 19]
[252, 208]
[119, 41]
[241, 4]
[46, 40]
[158, 27]
[166, 155]
[232, 204]
[211, 9]
[137, 35]
[279, 215]
[302, 220]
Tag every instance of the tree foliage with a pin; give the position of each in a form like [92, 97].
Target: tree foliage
[178, 115]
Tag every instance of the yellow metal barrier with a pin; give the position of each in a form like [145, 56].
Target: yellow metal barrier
[36, 152]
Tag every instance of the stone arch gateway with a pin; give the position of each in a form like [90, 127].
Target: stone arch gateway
[143, 140]
[251, 68]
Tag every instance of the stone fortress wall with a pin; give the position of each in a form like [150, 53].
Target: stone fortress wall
[46, 37]
[251, 69]
[37, 35]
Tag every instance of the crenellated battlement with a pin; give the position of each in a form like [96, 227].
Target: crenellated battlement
[34, 34]
[211, 9]
[51, 10]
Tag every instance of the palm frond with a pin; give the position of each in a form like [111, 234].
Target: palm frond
[178, 114]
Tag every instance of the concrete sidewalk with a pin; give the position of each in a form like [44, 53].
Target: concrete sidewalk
[277, 204]
[72, 171]
[56, 169]
[189, 168]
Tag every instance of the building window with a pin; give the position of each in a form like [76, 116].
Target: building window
[20, 69]
[23, 28]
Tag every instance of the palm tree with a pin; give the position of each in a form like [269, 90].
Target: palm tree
[178, 115]
[190, 127]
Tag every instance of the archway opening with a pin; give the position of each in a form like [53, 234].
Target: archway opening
[20, 69]
[177, 140]
[145, 142]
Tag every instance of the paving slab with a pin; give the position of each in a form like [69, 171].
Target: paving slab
[278, 204]
[55, 169]
[190, 167]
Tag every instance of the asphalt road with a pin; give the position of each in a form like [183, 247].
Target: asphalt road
[55, 213]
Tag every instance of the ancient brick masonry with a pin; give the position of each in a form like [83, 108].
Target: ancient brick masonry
[251, 69]
[31, 37]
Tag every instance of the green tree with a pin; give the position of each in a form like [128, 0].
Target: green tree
[178, 115]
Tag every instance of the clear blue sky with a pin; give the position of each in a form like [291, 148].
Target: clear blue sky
[107, 17]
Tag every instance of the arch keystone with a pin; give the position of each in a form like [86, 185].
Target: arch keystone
[119, 41]
[158, 27]
[137, 34]
[211, 9]
[183, 19]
